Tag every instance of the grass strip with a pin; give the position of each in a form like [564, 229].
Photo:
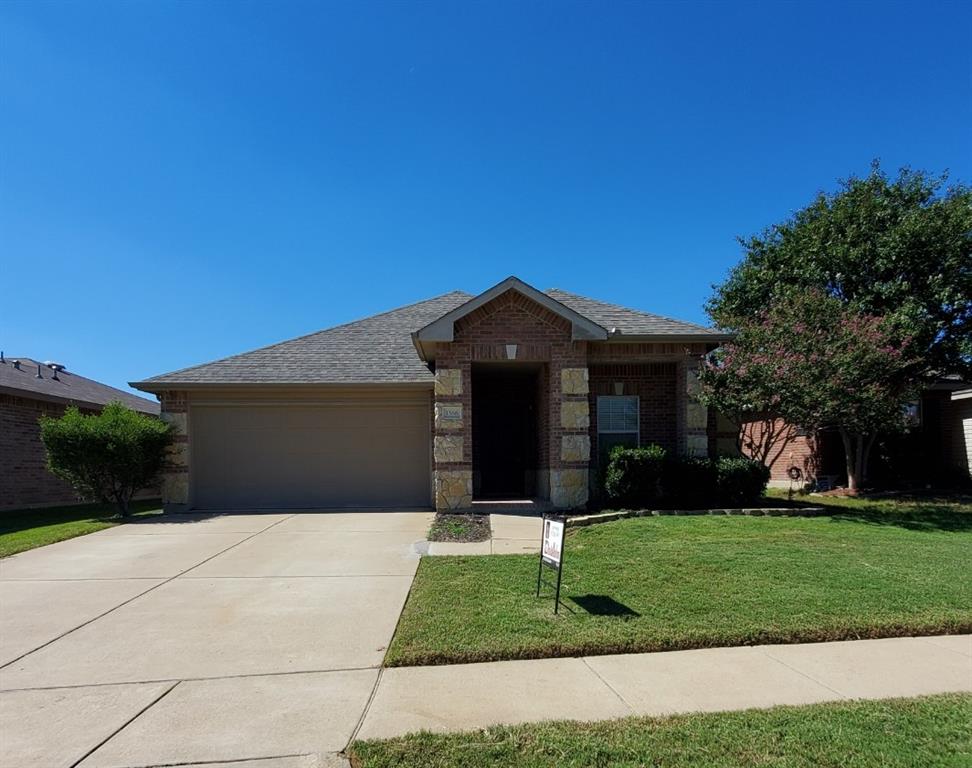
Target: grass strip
[933, 732]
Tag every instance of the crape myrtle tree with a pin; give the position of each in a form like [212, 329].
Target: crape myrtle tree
[894, 253]
[107, 456]
[811, 360]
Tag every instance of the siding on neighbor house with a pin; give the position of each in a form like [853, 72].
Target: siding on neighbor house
[959, 447]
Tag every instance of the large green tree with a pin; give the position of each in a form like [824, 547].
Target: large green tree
[899, 249]
[812, 361]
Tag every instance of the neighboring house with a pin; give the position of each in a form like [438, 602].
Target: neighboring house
[511, 394]
[935, 450]
[28, 390]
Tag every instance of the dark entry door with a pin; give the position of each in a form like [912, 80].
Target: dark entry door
[504, 432]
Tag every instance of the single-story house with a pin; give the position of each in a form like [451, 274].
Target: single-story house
[30, 389]
[511, 394]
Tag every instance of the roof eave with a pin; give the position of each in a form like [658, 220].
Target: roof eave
[664, 338]
[157, 387]
[31, 394]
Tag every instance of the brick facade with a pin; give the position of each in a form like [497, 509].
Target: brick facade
[25, 480]
[175, 471]
[571, 376]
[792, 448]
[655, 384]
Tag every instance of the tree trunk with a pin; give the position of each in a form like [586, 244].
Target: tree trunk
[857, 452]
[851, 459]
[867, 458]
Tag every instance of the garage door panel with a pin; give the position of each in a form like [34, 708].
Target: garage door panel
[322, 455]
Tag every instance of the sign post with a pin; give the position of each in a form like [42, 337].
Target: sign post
[552, 552]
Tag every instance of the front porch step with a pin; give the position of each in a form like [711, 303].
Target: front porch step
[511, 506]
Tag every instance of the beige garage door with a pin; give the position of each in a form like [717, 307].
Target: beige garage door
[328, 454]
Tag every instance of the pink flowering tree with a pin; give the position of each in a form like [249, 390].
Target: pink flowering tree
[812, 361]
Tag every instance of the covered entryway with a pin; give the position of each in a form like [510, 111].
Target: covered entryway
[330, 453]
[506, 413]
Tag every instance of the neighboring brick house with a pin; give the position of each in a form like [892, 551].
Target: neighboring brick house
[935, 450]
[511, 394]
[28, 390]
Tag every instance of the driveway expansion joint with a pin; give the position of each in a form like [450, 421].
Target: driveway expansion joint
[124, 725]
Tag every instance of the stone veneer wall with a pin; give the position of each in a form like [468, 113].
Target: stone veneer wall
[540, 336]
[175, 471]
[694, 433]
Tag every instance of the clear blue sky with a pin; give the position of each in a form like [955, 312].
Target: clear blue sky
[184, 181]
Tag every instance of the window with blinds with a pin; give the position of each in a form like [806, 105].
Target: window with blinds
[617, 423]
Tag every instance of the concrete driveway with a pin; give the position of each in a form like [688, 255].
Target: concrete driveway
[200, 639]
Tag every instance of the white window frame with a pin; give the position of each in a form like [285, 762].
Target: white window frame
[636, 432]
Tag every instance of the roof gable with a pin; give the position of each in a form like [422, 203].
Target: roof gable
[442, 329]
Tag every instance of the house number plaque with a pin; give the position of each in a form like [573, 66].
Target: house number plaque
[450, 413]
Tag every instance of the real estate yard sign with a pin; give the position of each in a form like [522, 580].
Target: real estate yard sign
[552, 553]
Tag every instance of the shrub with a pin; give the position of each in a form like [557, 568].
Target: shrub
[646, 477]
[689, 482]
[740, 480]
[107, 456]
[634, 475]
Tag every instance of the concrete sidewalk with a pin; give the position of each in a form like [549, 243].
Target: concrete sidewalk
[512, 534]
[470, 696]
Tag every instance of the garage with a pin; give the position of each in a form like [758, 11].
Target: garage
[329, 453]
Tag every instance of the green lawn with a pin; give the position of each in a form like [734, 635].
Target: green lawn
[663, 583]
[919, 507]
[934, 731]
[24, 529]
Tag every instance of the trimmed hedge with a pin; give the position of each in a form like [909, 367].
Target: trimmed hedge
[650, 477]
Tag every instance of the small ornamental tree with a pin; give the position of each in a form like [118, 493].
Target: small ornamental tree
[815, 362]
[108, 456]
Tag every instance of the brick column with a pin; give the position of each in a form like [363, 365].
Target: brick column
[452, 438]
[175, 470]
[694, 439]
[570, 446]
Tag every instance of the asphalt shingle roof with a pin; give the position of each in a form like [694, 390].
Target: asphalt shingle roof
[70, 387]
[630, 322]
[379, 349]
